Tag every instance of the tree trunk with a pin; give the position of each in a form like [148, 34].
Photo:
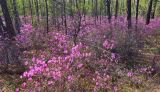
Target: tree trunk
[2, 28]
[9, 52]
[137, 8]
[129, 13]
[109, 10]
[31, 11]
[37, 10]
[137, 13]
[116, 9]
[9, 26]
[154, 9]
[16, 16]
[149, 12]
[46, 2]
[24, 11]
[71, 8]
[96, 9]
[64, 14]
[84, 9]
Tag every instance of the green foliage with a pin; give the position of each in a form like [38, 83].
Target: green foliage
[89, 6]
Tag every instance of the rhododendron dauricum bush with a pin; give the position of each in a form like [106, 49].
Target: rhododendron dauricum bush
[29, 37]
[23, 37]
[62, 71]
[63, 66]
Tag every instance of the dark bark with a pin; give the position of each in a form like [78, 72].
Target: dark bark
[24, 10]
[77, 25]
[2, 28]
[31, 11]
[37, 10]
[9, 26]
[129, 13]
[149, 12]
[47, 26]
[9, 51]
[137, 8]
[64, 14]
[9, 61]
[116, 9]
[61, 12]
[101, 7]
[96, 9]
[16, 16]
[109, 10]
[137, 13]
[84, 10]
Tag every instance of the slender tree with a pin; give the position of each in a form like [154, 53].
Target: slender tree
[71, 7]
[100, 8]
[96, 9]
[129, 13]
[84, 9]
[116, 9]
[31, 10]
[37, 10]
[64, 14]
[137, 8]
[2, 28]
[8, 22]
[10, 51]
[137, 13]
[16, 16]
[77, 23]
[46, 2]
[53, 10]
[61, 12]
[149, 11]
[154, 8]
[108, 3]
[24, 10]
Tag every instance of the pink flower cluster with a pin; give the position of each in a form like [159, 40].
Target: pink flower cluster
[108, 44]
[23, 37]
[55, 69]
[65, 64]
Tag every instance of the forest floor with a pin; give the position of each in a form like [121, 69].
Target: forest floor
[8, 83]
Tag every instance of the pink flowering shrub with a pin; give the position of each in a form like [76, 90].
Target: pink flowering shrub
[23, 37]
[64, 67]
[56, 70]
[104, 54]
[108, 44]
[58, 44]
[29, 37]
